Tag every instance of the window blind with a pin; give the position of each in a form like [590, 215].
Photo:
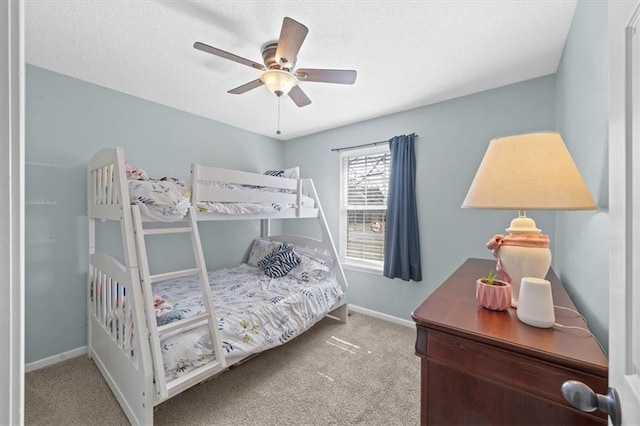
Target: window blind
[365, 180]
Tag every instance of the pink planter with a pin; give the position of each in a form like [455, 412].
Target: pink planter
[496, 297]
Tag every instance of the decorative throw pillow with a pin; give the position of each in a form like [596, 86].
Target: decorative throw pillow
[134, 173]
[260, 249]
[292, 173]
[318, 258]
[308, 275]
[279, 262]
[315, 265]
[276, 173]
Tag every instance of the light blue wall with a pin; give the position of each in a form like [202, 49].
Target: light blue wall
[453, 137]
[582, 238]
[67, 121]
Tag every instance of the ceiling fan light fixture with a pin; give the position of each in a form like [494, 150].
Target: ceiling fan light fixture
[279, 82]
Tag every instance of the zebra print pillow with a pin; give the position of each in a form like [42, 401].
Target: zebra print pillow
[292, 173]
[277, 173]
[279, 262]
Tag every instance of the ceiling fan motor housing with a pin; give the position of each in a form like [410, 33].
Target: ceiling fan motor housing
[269, 57]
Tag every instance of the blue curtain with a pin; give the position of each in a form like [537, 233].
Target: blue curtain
[401, 240]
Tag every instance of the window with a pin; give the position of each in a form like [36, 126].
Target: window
[364, 182]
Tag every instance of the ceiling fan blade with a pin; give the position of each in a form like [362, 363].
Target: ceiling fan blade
[327, 76]
[292, 35]
[299, 97]
[246, 87]
[226, 55]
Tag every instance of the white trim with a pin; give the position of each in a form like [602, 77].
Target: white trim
[623, 203]
[12, 211]
[352, 265]
[380, 315]
[55, 359]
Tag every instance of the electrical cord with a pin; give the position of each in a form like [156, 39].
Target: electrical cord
[571, 327]
[573, 311]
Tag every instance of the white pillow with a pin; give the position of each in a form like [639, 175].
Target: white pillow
[292, 173]
[260, 249]
[315, 265]
[323, 256]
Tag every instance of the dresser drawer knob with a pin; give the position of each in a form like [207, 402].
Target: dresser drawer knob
[584, 398]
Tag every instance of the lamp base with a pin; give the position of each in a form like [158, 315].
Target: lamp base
[521, 262]
[524, 253]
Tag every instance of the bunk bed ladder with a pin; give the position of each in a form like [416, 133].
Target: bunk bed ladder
[165, 388]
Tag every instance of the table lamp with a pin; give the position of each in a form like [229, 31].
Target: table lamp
[532, 171]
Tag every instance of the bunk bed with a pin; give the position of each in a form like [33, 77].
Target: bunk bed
[153, 336]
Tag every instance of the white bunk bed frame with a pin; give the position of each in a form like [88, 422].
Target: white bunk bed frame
[122, 338]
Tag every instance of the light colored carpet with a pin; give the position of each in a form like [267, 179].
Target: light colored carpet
[364, 372]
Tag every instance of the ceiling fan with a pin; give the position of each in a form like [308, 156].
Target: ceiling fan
[278, 72]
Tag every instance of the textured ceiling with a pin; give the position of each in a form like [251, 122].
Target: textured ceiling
[407, 53]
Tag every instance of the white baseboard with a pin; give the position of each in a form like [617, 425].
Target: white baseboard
[382, 316]
[51, 360]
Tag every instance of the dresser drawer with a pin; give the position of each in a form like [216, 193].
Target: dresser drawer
[510, 369]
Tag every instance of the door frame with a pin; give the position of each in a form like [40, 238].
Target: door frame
[12, 211]
[623, 19]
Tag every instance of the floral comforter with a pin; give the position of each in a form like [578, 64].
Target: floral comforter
[168, 200]
[246, 208]
[254, 313]
[163, 200]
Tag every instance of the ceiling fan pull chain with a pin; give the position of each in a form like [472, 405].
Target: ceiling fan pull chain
[278, 131]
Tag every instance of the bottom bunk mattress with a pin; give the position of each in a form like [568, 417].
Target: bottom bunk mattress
[254, 313]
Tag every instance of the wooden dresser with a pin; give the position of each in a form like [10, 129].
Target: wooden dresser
[481, 367]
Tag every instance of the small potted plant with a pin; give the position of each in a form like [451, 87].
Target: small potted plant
[493, 293]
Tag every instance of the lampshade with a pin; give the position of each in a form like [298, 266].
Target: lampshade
[526, 172]
[279, 82]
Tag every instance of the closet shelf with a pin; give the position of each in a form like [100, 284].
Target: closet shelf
[44, 240]
[29, 163]
[41, 202]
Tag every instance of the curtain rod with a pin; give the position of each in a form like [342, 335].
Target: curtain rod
[364, 144]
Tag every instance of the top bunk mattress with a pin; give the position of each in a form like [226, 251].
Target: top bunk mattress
[168, 199]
